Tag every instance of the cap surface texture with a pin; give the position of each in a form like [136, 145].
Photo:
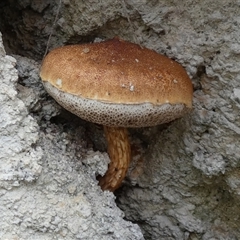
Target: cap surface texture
[117, 83]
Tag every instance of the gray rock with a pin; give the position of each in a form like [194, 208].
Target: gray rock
[20, 161]
[46, 191]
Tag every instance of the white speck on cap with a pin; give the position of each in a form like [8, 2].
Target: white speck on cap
[131, 88]
[59, 82]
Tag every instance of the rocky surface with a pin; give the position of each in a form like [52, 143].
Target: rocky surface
[19, 131]
[48, 181]
[185, 186]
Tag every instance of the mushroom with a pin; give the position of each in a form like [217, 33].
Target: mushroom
[120, 85]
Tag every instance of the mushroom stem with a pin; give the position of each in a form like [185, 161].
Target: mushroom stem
[120, 153]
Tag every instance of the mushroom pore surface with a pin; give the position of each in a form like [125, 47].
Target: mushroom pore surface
[117, 115]
[117, 83]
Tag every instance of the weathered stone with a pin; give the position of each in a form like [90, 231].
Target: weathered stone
[187, 185]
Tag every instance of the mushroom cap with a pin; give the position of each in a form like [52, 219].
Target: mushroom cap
[117, 83]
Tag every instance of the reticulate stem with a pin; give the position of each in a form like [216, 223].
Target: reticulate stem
[120, 153]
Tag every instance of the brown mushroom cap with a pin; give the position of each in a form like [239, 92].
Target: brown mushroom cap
[117, 83]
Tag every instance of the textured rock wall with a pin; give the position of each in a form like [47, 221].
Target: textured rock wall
[46, 192]
[187, 184]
